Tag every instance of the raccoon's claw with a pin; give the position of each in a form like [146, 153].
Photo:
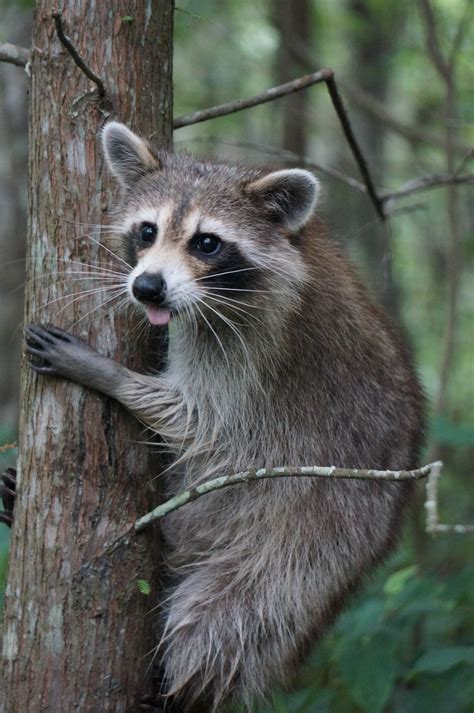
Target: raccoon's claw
[52, 350]
[8, 494]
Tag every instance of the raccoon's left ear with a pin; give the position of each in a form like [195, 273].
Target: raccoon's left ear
[127, 155]
[287, 196]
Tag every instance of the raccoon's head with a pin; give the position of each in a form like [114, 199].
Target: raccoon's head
[206, 240]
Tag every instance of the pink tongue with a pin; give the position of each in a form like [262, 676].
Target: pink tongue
[158, 315]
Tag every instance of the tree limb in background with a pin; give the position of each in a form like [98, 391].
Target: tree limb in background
[268, 95]
[252, 474]
[425, 183]
[14, 54]
[67, 43]
[324, 75]
[432, 40]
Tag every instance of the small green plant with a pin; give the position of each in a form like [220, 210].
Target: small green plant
[143, 586]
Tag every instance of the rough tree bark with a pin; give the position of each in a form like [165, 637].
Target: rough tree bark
[76, 628]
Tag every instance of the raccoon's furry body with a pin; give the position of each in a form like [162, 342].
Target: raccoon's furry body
[309, 372]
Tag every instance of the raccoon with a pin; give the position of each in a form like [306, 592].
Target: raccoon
[276, 356]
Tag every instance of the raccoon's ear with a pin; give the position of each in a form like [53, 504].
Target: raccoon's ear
[127, 155]
[288, 196]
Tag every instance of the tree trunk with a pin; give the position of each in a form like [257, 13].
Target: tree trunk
[76, 627]
[373, 36]
[294, 24]
[13, 182]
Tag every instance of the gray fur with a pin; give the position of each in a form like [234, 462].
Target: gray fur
[259, 571]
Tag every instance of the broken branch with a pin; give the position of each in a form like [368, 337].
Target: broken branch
[13, 54]
[251, 474]
[268, 95]
[67, 43]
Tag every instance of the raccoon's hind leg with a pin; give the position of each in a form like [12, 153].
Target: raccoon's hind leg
[226, 642]
[8, 494]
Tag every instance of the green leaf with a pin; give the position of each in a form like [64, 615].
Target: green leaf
[396, 582]
[143, 586]
[127, 18]
[442, 660]
[361, 621]
[369, 670]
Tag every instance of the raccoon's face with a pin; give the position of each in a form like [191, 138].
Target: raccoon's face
[207, 240]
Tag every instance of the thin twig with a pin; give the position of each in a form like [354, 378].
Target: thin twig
[282, 472]
[268, 95]
[357, 153]
[8, 447]
[14, 54]
[426, 183]
[433, 524]
[67, 43]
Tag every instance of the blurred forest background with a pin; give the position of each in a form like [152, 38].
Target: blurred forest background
[406, 645]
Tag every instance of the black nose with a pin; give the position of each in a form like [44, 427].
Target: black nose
[150, 287]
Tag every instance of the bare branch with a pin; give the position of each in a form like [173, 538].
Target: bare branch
[67, 43]
[357, 153]
[14, 54]
[252, 474]
[324, 75]
[8, 447]
[268, 95]
[426, 183]
[433, 524]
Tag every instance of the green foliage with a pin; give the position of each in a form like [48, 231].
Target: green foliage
[143, 586]
[372, 662]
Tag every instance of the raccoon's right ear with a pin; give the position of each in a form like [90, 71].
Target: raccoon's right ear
[127, 155]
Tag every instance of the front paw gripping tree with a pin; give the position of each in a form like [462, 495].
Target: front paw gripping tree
[76, 625]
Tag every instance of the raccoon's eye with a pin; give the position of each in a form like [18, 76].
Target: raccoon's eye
[206, 243]
[148, 233]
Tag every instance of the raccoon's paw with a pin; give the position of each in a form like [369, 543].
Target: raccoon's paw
[8, 494]
[57, 353]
